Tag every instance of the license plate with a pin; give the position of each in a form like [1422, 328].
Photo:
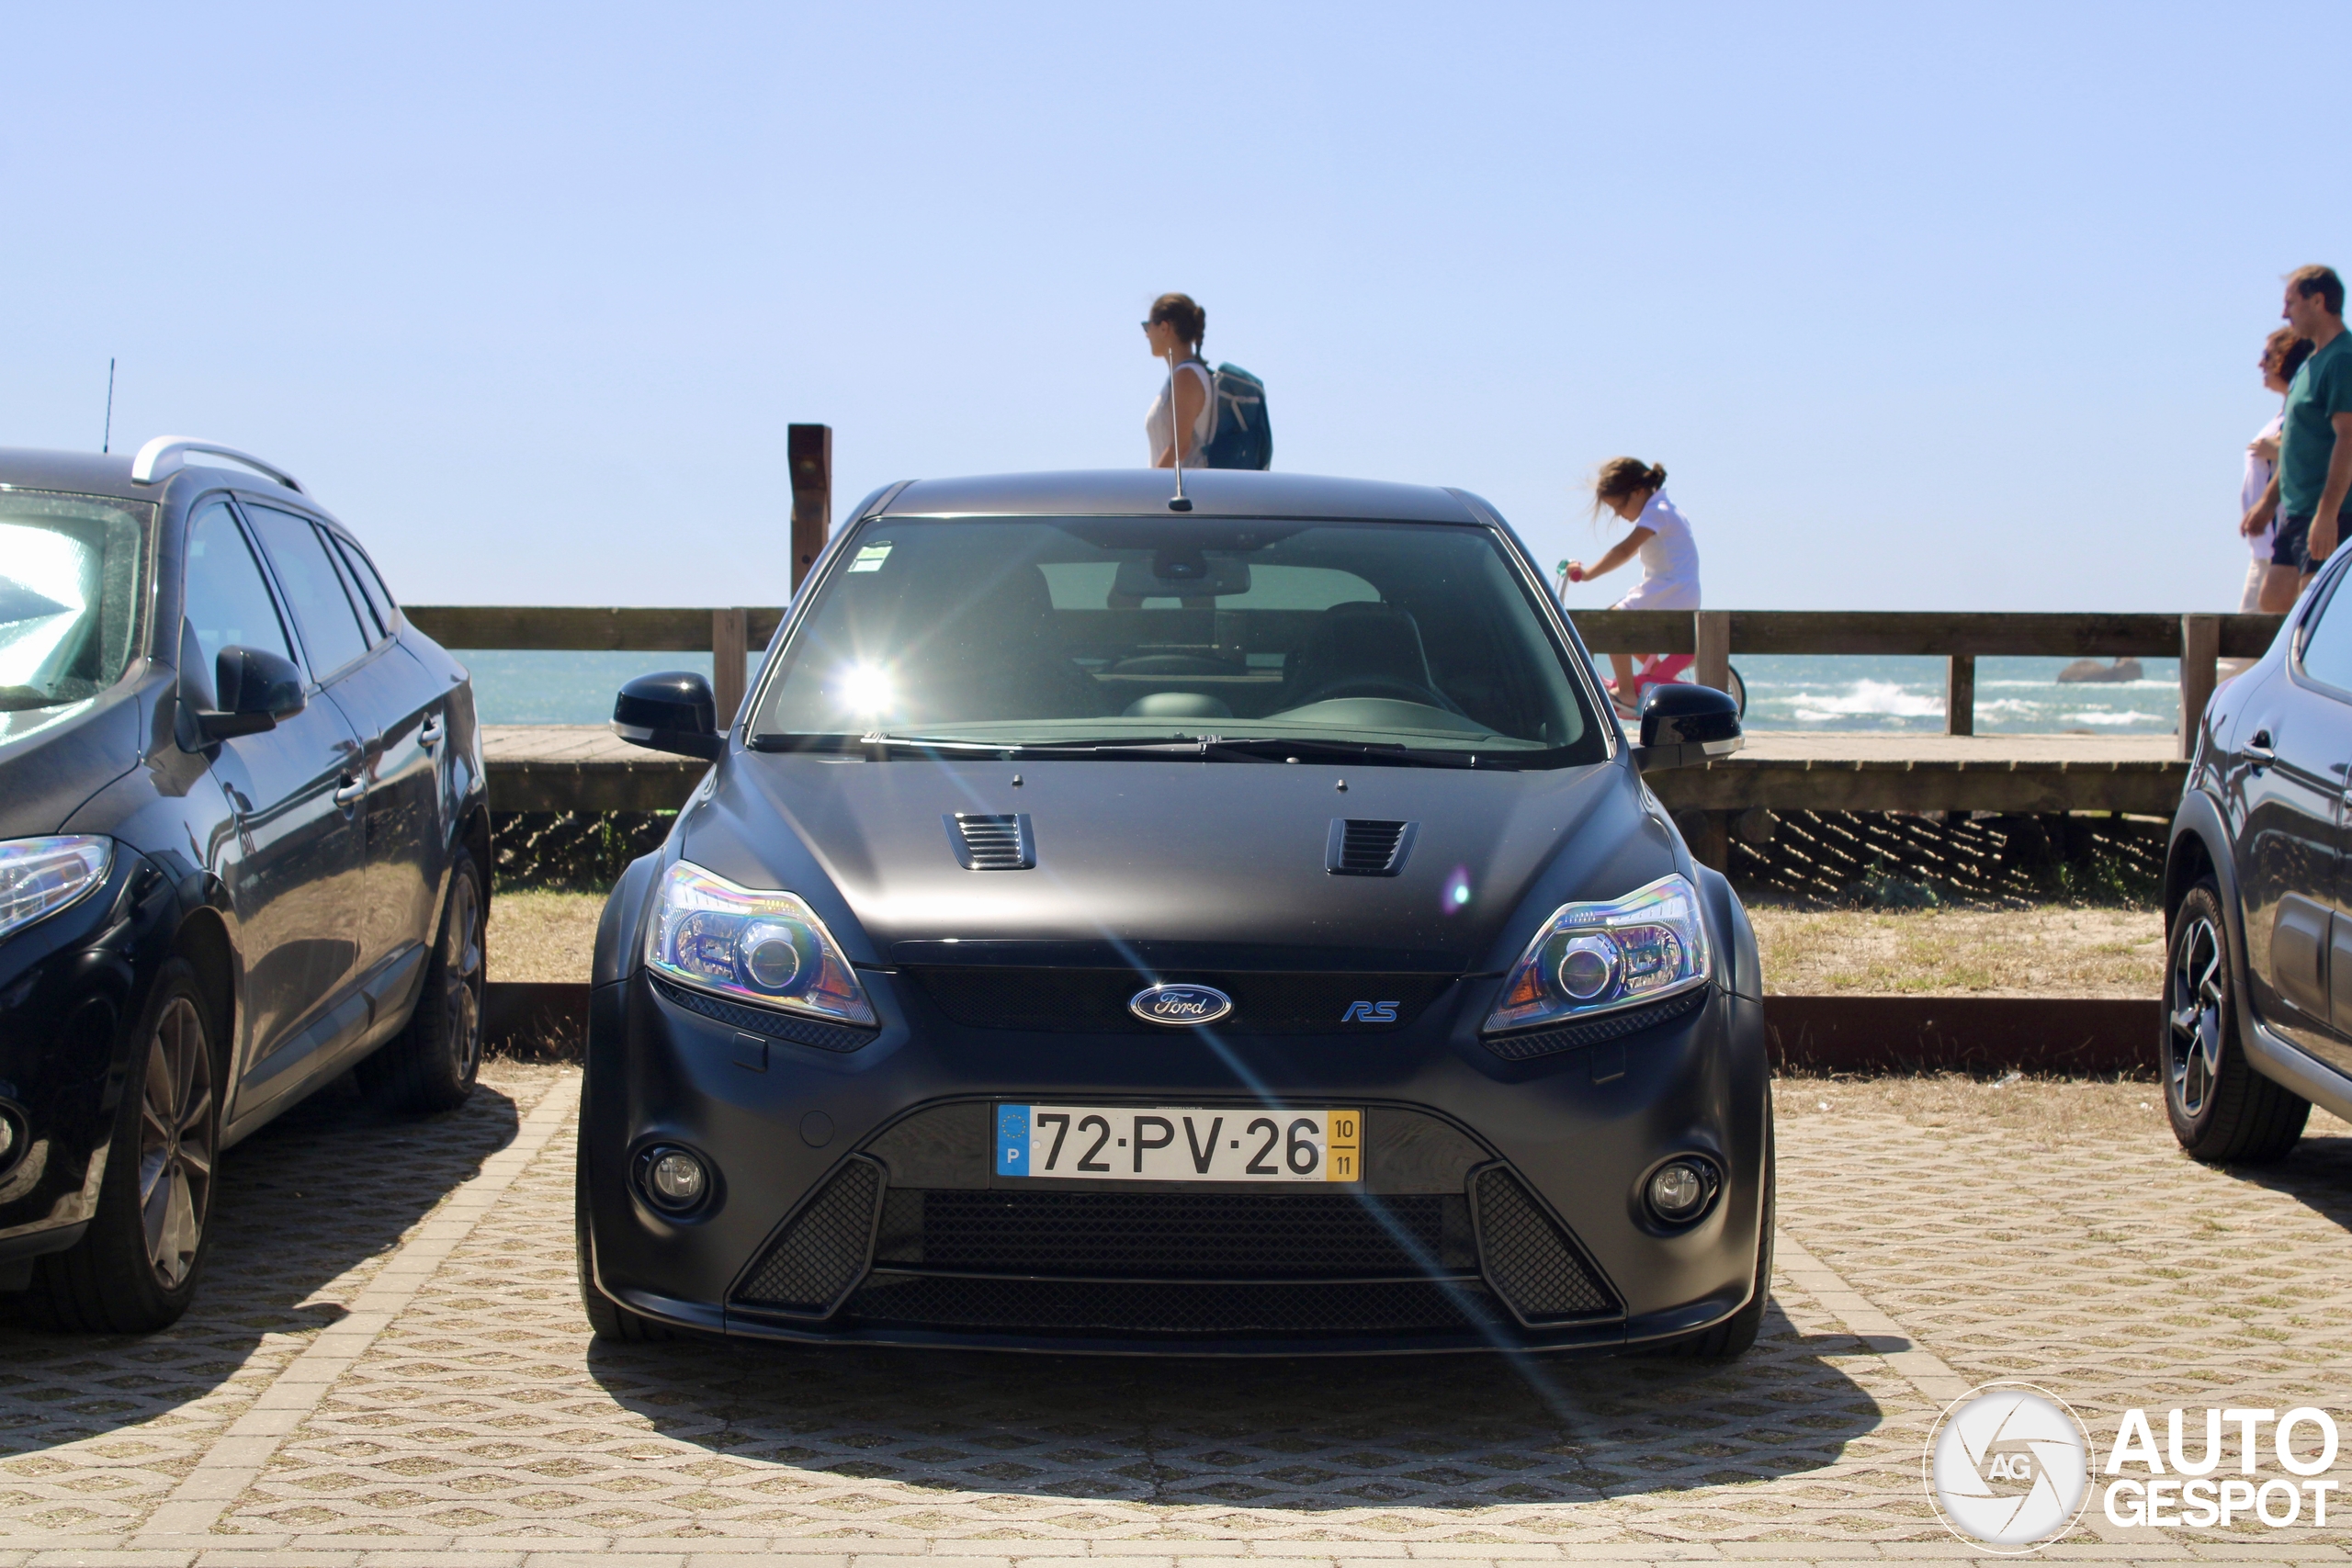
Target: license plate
[1122, 1143]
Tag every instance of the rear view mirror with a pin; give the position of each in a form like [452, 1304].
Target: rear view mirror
[668, 712]
[253, 690]
[1683, 725]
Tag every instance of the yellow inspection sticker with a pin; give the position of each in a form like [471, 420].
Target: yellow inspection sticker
[1342, 1145]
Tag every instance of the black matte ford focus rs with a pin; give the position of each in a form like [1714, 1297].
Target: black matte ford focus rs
[1240, 928]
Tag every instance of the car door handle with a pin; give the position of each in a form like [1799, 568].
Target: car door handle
[429, 736]
[2259, 747]
[352, 791]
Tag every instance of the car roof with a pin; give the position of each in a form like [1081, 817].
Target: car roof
[109, 474]
[1215, 492]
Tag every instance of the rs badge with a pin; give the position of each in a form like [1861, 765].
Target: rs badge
[1370, 1012]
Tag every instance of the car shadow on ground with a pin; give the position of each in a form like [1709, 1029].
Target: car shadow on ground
[1451, 1431]
[320, 1190]
[2318, 1174]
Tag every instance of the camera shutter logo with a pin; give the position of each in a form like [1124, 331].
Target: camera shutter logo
[2008, 1465]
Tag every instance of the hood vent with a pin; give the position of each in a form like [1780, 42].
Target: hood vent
[991, 844]
[1361, 848]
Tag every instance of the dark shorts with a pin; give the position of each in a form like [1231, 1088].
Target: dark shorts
[2291, 545]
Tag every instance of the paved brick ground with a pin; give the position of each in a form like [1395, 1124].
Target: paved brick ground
[388, 1365]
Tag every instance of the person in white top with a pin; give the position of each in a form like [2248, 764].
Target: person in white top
[1175, 328]
[2282, 354]
[1636, 491]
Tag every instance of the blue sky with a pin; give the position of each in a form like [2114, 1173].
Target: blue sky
[1923, 306]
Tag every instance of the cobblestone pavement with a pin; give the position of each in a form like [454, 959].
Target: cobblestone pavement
[388, 1364]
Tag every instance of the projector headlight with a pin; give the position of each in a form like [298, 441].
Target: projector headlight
[754, 946]
[1592, 958]
[40, 876]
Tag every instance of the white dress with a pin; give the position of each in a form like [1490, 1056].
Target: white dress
[2250, 488]
[1669, 560]
[1158, 422]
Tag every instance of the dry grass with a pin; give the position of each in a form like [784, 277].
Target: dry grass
[542, 936]
[2047, 952]
[2049, 1112]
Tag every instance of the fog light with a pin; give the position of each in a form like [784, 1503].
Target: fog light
[673, 1178]
[1680, 1190]
[12, 1136]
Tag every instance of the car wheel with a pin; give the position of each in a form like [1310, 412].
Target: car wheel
[607, 1319]
[432, 1064]
[2222, 1110]
[1735, 1335]
[135, 1269]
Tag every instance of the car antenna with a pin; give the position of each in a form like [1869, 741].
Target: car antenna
[106, 442]
[1179, 503]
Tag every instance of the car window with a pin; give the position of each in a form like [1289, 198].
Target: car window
[332, 631]
[372, 625]
[363, 571]
[72, 581]
[227, 600]
[2327, 646]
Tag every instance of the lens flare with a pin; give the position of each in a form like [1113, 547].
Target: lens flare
[1457, 890]
[865, 688]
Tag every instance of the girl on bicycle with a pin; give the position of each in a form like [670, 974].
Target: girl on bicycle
[1636, 491]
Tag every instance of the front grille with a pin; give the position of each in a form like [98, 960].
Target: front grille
[1178, 1235]
[948, 1302]
[1094, 1001]
[1531, 1261]
[823, 1251]
[761, 1020]
[1361, 847]
[991, 844]
[1599, 1030]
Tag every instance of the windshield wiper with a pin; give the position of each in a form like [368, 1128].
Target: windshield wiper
[1174, 748]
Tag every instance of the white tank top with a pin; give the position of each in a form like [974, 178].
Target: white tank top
[1669, 560]
[1158, 422]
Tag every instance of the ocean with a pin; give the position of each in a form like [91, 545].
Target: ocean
[1784, 692]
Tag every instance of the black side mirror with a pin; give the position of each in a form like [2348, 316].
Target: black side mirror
[668, 712]
[1683, 725]
[253, 690]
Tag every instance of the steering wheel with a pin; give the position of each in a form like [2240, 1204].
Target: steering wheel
[1378, 686]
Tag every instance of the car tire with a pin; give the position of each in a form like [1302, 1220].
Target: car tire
[2223, 1112]
[1736, 1336]
[135, 1269]
[432, 1064]
[607, 1319]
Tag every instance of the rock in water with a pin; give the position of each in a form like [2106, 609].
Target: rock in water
[2124, 668]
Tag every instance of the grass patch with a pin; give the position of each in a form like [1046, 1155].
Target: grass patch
[2043, 951]
[538, 935]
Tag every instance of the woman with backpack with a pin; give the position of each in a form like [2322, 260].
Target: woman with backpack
[1175, 327]
[1636, 491]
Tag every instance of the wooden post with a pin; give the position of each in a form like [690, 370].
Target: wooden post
[727, 655]
[1960, 693]
[809, 448]
[1712, 632]
[2201, 650]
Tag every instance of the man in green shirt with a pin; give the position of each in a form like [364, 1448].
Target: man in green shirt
[2316, 446]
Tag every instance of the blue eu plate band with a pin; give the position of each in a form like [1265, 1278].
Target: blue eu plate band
[1013, 1140]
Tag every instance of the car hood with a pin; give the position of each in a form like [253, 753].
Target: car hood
[1176, 863]
[51, 759]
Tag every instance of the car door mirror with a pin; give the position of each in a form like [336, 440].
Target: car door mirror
[256, 690]
[668, 712]
[1683, 725]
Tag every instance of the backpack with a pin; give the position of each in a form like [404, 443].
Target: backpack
[1239, 435]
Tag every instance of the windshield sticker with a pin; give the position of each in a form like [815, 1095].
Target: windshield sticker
[871, 558]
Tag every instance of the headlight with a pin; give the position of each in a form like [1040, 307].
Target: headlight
[40, 876]
[1590, 958]
[768, 948]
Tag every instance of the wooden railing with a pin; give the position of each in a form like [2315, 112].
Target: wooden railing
[1715, 636]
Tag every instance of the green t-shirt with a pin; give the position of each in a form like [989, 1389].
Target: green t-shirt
[2322, 389]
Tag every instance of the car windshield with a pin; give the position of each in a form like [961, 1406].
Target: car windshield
[72, 571]
[1022, 632]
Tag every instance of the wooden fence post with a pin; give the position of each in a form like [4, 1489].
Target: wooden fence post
[809, 448]
[2201, 650]
[727, 651]
[1960, 693]
[1712, 634]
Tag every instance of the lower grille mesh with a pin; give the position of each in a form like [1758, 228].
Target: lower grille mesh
[1530, 1261]
[950, 1302]
[822, 1252]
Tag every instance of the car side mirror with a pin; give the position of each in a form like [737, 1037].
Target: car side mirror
[669, 712]
[253, 690]
[1683, 725]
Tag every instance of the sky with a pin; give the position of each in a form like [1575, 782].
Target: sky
[1922, 306]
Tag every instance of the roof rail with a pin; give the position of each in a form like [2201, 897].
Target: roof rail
[166, 455]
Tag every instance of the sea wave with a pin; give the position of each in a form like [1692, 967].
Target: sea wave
[1876, 699]
[2107, 718]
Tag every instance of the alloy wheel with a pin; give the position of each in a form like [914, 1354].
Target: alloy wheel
[2196, 999]
[462, 964]
[175, 1142]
